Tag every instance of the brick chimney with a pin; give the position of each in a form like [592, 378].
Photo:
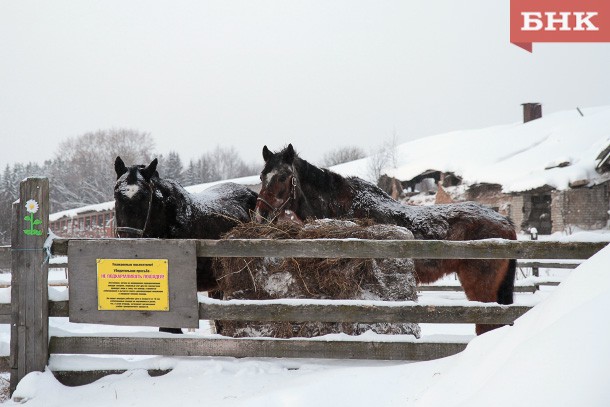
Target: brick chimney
[531, 111]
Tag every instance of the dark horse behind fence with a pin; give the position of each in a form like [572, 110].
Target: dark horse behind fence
[292, 186]
[149, 206]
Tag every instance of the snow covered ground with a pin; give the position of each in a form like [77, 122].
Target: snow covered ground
[555, 355]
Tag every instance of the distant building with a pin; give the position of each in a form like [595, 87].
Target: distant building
[552, 174]
[88, 221]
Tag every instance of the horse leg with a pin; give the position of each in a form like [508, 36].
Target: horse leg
[487, 281]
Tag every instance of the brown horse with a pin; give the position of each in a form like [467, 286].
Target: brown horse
[293, 187]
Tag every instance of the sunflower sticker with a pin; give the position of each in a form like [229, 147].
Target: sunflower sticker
[31, 206]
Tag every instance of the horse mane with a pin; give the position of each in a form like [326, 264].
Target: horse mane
[322, 179]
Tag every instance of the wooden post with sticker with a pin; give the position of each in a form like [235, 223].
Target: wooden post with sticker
[29, 280]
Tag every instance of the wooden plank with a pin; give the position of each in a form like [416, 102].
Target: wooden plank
[532, 264]
[182, 264]
[276, 348]
[5, 313]
[5, 257]
[457, 288]
[56, 309]
[417, 249]
[60, 246]
[492, 314]
[5, 364]
[420, 249]
[59, 308]
[29, 292]
[550, 283]
[58, 265]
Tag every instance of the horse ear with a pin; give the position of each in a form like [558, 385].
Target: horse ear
[267, 154]
[151, 170]
[119, 167]
[289, 154]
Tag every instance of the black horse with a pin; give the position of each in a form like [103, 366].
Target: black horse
[292, 187]
[149, 206]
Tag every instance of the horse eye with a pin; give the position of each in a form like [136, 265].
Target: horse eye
[282, 178]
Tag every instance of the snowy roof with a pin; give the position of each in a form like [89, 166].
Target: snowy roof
[555, 150]
[70, 213]
[107, 206]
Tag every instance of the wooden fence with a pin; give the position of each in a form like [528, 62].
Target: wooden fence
[30, 308]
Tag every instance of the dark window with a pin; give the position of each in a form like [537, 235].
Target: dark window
[540, 215]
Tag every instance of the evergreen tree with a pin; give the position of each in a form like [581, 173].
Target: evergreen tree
[172, 167]
[190, 175]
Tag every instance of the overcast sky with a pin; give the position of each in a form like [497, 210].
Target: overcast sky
[318, 74]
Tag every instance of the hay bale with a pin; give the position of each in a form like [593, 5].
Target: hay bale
[274, 278]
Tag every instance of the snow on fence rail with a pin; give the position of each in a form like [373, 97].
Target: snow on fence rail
[30, 308]
[577, 250]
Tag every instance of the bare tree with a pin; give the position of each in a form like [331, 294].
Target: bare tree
[342, 155]
[83, 172]
[384, 156]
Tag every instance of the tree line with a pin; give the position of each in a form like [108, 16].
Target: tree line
[82, 171]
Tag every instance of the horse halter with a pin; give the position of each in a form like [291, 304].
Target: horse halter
[135, 231]
[292, 196]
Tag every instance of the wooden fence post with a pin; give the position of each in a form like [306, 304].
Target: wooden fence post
[535, 271]
[29, 292]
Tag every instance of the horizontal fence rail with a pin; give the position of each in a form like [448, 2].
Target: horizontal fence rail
[548, 265]
[268, 311]
[283, 348]
[350, 248]
[416, 249]
[363, 248]
[373, 313]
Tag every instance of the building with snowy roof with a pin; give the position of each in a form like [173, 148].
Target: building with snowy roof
[550, 173]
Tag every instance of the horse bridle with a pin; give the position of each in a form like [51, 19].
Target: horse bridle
[136, 231]
[292, 196]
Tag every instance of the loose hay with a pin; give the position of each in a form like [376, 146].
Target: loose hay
[274, 278]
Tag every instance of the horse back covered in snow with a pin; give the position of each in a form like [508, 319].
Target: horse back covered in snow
[149, 206]
[292, 186]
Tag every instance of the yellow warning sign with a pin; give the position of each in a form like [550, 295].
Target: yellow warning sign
[132, 285]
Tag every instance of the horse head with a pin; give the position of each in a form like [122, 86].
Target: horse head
[278, 197]
[134, 195]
